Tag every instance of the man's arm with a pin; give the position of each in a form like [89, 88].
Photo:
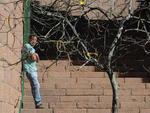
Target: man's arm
[31, 53]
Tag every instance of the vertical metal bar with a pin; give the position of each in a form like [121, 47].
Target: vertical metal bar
[22, 92]
[26, 33]
[26, 20]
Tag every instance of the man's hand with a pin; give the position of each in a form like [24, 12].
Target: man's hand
[35, 57]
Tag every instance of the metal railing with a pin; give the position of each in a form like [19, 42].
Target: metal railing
[22, 92]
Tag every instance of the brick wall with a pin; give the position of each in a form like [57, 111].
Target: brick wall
[11, 31]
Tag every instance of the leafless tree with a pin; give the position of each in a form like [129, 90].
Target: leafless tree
[63, 30]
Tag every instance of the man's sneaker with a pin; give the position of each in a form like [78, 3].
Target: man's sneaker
[40, 106]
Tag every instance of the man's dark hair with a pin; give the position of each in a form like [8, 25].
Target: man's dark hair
[32, 35]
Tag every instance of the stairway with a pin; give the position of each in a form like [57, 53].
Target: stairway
[68, 89]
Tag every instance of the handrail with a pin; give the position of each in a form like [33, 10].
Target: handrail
[22, 92]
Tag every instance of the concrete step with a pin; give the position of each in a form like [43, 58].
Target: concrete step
[48, 92]
[51, 65]
[47, 85]
[78, 74]
[54, 111]
[83, 69]
[50, 105]
[57, 99]
[48, 63]
[45, 99]
[43, 69]
[50, 74]
[124, 110]
[65, 75]
[55, 80]
[37, 111]
[31, 105]
[63, 66]
[102, 98]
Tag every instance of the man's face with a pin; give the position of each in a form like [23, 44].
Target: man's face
[33, 41]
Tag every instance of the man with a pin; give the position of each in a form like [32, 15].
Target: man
[30, 58]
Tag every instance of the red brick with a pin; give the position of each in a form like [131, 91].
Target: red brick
[132, 86]
[101, 85]
[83, 69]
[37, 111]
[141, 92]
[45, 99]
[62, 81]
[94, 105]
[71, 85]
[51, 99]
[108, 92]
[63, 105]
[148, 85]
[132, 98]
[144, 110]
[85, 92]
[127, 110]
[42, 85]
[98, 110]
[69, 110]
[105, 99]
[133, 74]
[51, 74]
[31, 105]
[123, 98]
[78, 98]
[46, 92]
[98, 82]
[135, 105]
[60, 66]
[58, 74]
[93, 80]
[57, 80]
[58, 63]
[88, 74]
[133, 80]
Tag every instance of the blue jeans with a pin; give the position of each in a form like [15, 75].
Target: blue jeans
[35, 86]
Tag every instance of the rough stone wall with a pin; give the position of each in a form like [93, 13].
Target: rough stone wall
[11, 30]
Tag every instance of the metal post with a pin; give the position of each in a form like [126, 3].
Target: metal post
[26, 33]
[26, 20]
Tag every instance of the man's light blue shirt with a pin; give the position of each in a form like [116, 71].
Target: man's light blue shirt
[28, 64]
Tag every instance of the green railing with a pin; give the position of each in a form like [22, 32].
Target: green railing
[26, 20]
[26, 33]
[22, 92]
